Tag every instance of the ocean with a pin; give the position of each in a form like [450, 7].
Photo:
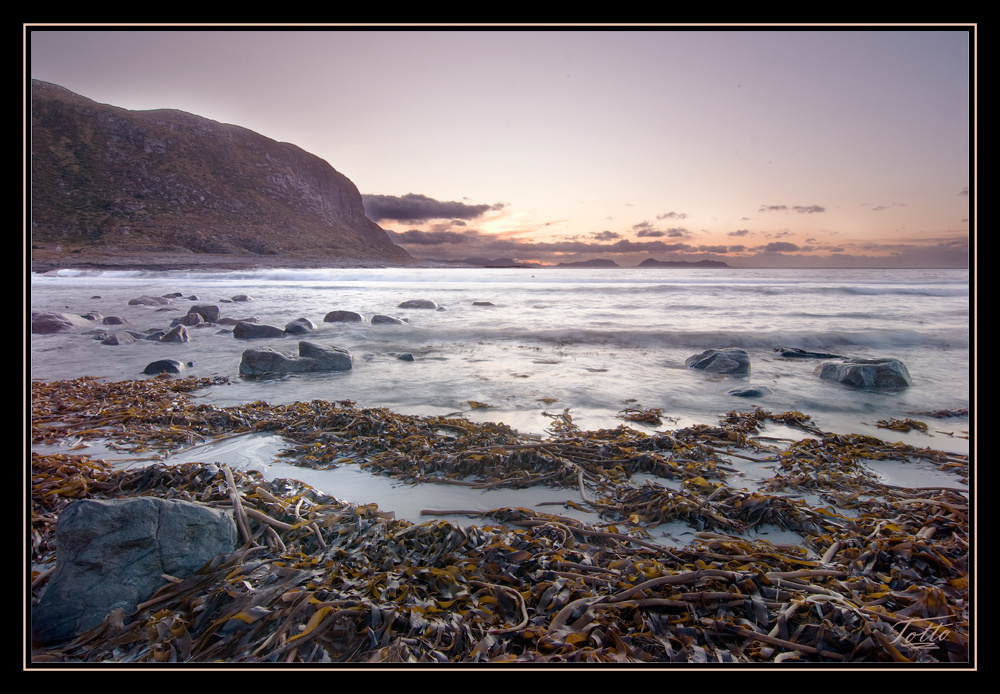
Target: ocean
[524, 346]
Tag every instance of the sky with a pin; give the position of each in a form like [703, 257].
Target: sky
[784, 147]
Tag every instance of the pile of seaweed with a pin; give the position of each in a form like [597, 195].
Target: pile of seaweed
[881, 576]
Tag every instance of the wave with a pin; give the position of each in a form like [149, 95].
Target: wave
[705, 339]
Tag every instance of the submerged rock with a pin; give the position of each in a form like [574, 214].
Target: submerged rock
[732, 360]
[249, 331]
[380, 319]
[751, 392]
[342, 317]
[311, 358]
[300, 326]
[163, 366]
[418, 303]
[860, 372]
[113, 554]
[42, 323]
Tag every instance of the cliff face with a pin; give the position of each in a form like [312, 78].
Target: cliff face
[106, 182]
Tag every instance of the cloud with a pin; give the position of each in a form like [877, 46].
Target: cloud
[740, 232]
[414, 207]
[801, 209]
[780, 247]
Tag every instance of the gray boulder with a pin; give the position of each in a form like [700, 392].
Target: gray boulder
[176, 334]
[145, 300]
[163, 366]
[380, 319]
[311, 358]
[42, 323]
[300, 326]
[208, 312]
[249, 331]
[418, 303]
[112, 555]
[732, 361]
[116, 320]
[342, 317]
[885, 373]
[123, 337]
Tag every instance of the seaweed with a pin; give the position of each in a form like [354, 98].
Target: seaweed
[881, 574]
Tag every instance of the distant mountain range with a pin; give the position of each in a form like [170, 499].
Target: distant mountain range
[168, 187]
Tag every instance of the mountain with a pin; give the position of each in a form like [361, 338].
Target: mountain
[652, 262]
[596, 262]
[110, 186]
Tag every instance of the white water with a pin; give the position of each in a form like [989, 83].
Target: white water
[592, 342]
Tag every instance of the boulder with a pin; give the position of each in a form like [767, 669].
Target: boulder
[249, 331]
[145, 300]
[732, 361]
[751, 392]
[163, 366]
[418, 303]
[42, 323]
[380, 319]
[208, 312]
[123, 337]
[342, 317]
[112, 554]
[190, 319]
[116, 320]
[176, 334]
[300, 326]
[879, 373]
[311, 358]
[241, 297]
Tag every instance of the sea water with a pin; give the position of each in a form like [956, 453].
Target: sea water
[523, 345]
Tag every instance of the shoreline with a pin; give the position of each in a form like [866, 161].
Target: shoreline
[487, 593]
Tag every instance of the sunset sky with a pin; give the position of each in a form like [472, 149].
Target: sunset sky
[796, 146]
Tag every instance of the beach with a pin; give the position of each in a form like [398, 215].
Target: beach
[566, 394]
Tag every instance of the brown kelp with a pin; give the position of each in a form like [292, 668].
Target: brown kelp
[881, 574]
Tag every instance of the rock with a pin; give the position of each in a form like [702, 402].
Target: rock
[796, 353]
[113, 553]
[380, 319]
[176, 334]
[149, 301]
[123, 337]
[92, 316]
[885, 373]
[208, 312]
[42, 323]
[241, 297]
[418, 303]
[402, 356]
[312, 357]
[300, 326]
[247, 331]
[751, 392]
[190, 319]
[342, 317]
[483, 303]
[116, 320]
[732, 360]
[163, 366]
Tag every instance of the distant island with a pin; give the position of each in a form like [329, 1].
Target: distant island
[648, 263]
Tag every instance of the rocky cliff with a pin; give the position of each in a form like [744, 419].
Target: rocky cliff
[111, 186]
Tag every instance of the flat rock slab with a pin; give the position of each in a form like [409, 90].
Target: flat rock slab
[112, 554]
[312, 357]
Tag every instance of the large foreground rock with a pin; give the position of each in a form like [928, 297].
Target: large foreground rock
[312, 357]
[859, 372]
[732, 360]
[112, 554]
